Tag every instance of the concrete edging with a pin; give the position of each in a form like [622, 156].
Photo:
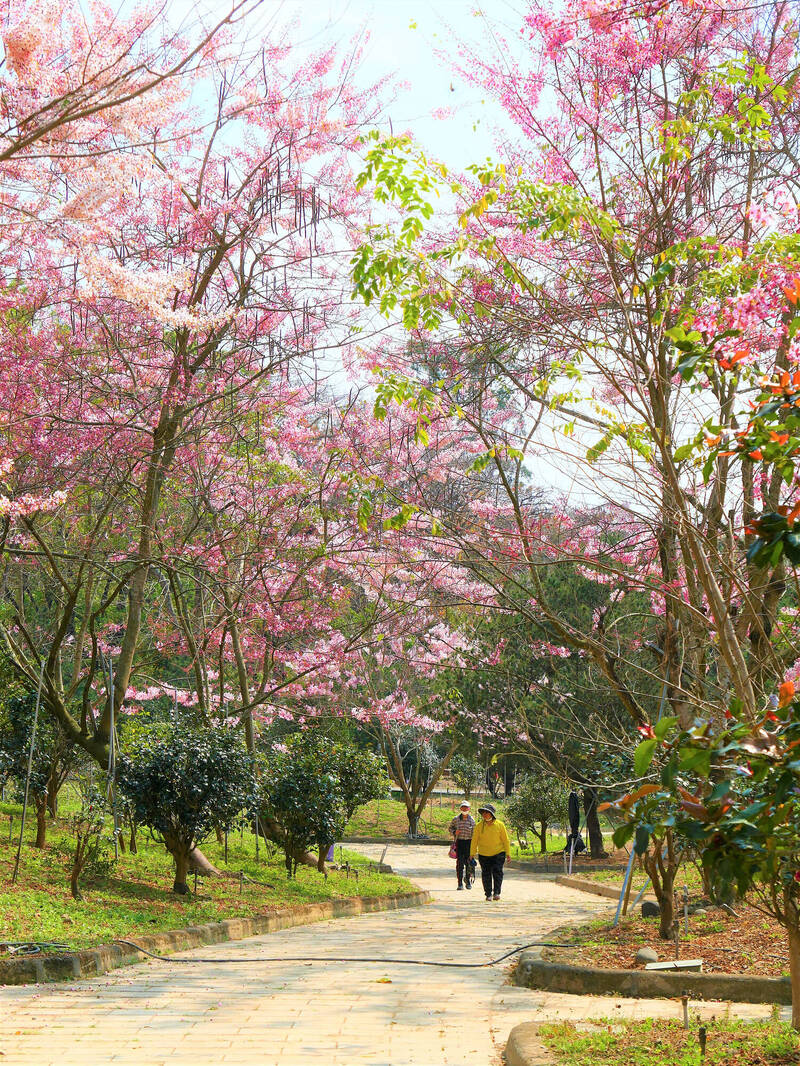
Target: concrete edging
[525, 1048]
[597, 888]
[534, 972]
[92, 961]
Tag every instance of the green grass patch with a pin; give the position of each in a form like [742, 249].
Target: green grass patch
[644, 1043]
[388, 818]
[136, 897]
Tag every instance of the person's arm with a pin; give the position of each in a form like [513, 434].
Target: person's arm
[452, 829]
[473, 844]
[506, 841]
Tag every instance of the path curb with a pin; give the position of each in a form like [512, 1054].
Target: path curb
[524, 1048]
[93, 961]
[597, 888]
[534, 972]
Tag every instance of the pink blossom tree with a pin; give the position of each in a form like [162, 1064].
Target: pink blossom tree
[631, 239]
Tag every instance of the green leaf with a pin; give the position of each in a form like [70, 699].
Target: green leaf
[697, 760]
[642, 839]
[643, 756]
[663, 725]
[684, 451]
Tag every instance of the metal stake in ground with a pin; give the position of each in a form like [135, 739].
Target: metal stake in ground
[111, 791]
[28, 775]
[702, 1038]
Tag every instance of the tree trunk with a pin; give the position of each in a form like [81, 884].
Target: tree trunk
[74, 887]
[270, 830]
[323, 851]
[132, 841]
[52, 797]
[794, 972]
[196, 860]
[413, 822]
[543, 838]
[181, 872]
[666, 902]
[41, 822]
[596, 847]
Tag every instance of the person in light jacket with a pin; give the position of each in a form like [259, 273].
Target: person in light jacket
[461, 829]
[491, 844]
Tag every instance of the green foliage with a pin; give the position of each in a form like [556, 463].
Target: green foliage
[311, 785]
[540, 800]
[467, 773]
[87, 851]
[734, 794]
[54, 756]
[183, 783]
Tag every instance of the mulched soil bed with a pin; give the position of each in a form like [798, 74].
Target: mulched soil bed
[749, 943]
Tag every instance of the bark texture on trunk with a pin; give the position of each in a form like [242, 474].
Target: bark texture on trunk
[181, 872]
[52, 797]
[270, 830]
[196, 860]
[41, 823]
[74, 886]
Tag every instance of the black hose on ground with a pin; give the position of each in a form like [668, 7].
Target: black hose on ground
[334, 958]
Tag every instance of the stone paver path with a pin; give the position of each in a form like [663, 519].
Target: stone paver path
[336, 1013]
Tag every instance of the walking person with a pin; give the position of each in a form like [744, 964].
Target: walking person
[491, 844]
[461, 829]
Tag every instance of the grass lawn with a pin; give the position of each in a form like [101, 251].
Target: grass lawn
[388, 818]
[615, 1043]
[136, 897]
[688, 874]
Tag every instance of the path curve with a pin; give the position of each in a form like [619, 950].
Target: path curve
[337, 1014]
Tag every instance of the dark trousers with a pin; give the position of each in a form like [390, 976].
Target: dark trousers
[492, 872]
[462, 858]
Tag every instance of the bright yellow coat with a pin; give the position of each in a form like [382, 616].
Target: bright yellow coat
[490, 838]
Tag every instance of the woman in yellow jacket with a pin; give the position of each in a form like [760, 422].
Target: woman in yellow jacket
[491, 844]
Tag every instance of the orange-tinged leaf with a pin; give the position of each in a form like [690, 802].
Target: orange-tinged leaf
[688, 796]
[697, 810]
[785, 693]
[645, 790]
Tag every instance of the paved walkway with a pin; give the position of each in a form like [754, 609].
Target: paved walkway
[337, 1013]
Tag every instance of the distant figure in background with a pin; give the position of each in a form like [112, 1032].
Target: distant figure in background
[491, 844]
[461, 829]
[575, 843]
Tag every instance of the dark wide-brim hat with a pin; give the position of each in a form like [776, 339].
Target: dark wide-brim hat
[487, 807]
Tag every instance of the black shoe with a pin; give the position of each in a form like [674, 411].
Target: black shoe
[468, 884]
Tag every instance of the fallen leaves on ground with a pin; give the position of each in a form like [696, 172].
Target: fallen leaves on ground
[747, 943]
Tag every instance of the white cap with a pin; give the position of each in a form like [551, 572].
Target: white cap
[465, 803]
